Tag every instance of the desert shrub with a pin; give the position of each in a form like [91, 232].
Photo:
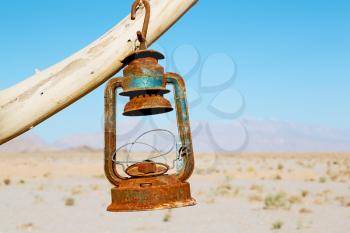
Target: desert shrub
[257, 188]
[343, 200]
[322, 179]
[167, 216]
[304, 193]
[226, 189]
[277, 201]
[295, 199]
[223, 189]
[69, 201]
[277, 177]
[305, 211]
[255, 198]
[7, 182]
[277, 225]
[280, 166]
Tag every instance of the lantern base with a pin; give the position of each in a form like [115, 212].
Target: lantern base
[151, 193]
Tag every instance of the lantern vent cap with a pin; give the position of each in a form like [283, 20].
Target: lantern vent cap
[143, 54]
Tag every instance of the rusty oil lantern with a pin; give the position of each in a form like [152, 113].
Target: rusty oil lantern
[147, 184]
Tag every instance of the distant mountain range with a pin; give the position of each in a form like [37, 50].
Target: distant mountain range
[28, 142]
[249, 135]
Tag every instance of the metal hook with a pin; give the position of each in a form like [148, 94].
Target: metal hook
[142, 35]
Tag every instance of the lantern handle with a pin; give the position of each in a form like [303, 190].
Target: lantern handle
[142, 35]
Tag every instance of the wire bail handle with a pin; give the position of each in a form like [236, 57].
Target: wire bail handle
[142, 35]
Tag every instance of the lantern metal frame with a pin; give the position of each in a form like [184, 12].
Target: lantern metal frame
[156, 191]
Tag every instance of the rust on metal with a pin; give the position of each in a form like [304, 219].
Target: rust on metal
[143, 73]
[141, 35]
[144, 105]
[151, 193]
[110, 131]
[183, 123]
[145, 84]
[147, 168]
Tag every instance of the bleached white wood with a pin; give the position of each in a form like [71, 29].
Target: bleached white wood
[45, 93]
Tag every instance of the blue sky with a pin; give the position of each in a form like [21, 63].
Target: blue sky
[292, 58]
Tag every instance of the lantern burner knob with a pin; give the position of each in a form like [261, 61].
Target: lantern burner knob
[147, 168]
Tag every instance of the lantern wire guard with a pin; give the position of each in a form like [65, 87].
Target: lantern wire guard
[176, 163]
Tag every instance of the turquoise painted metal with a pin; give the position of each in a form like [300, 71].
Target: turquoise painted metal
[144, 82]
[143, 73]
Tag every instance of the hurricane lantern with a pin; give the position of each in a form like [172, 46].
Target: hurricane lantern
[148, 186]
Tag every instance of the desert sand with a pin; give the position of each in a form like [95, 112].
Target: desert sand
[60, 192]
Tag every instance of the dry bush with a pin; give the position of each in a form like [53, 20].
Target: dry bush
[309, 180]
[327, 192]
[26, 227]
[322, 180]
[294, 199]
[257, 188]
[343, 200]
[226, 189]
[207, 171]
[223, 189]
[251, 170]
[76, 190]
[47, 174]
[167, 216]
[277, 177]
[145, 229]
[21, 182]
[69, 201]
[318, 201]
[38, 199]
[277, 225]
[255, 198]
[99, 176]
[277, 201]
[304, 193]
[95, 187]
[280, 167]
[305, 211]
[40, 187]
[7, 182]
[209, 200]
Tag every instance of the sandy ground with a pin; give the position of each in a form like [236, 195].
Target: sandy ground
[67, 192]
